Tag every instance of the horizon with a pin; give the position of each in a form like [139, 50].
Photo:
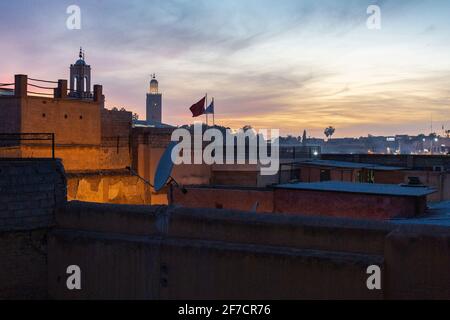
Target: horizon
[334, 71]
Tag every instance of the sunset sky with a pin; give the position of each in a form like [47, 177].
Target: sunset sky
[287, 64]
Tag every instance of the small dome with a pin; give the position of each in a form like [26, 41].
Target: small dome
[80, 62]
[154, 85]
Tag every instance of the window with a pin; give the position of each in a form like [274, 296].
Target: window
[325, 175]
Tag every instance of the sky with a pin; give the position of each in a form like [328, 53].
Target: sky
[285, 64]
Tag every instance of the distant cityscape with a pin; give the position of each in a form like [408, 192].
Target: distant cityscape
[431, 144]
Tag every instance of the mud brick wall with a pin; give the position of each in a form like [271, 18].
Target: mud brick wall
[30, 192]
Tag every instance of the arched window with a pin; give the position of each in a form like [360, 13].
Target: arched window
[85, 87]
[75, 83]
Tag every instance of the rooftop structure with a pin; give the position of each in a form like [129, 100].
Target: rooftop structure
[349, 165]
[363, 188]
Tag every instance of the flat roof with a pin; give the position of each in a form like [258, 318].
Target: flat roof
[365, 188]
[151, 124]
[349, 165]
[438, 214]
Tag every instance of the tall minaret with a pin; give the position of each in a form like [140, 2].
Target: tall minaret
[154, 102]
[80, 78]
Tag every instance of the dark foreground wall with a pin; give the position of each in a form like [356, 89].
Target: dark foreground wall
[30, 191]
[139, 252]
[149, 252]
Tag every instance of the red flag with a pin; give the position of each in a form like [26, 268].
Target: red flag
[199, 108]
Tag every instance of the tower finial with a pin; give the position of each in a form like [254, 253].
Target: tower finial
[81, 53]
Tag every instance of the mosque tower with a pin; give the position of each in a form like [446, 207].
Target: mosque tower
[154, 102]
[80, 78]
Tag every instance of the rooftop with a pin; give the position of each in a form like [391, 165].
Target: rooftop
[365, 188]
[349, 165]
[6, 92]
[150, 124]
[437, 214]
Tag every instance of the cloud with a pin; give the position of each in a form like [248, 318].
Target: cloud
[289, 64]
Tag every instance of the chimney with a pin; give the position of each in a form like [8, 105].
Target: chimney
[98, 92]
[61, 91]
[20, 85]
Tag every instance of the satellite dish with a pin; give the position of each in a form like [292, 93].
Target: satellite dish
[164, 169]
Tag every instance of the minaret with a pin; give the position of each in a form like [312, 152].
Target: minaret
[80, 78]
[154, 102]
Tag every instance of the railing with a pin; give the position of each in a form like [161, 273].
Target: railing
[15, 139]
[6, 89]
[24, 86]
[33, 86]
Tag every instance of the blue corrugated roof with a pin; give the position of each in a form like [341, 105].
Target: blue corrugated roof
[367, 188]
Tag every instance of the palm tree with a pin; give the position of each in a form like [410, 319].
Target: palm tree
[304, 137]
[329, 132]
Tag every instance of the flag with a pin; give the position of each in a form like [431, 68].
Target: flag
[198, 108]
[210, 109]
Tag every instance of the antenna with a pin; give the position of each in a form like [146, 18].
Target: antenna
[134, 173]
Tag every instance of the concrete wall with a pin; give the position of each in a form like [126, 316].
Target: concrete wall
[116, 123]
[312, 174]
[438, 180]
[341, 204]
[418, 263]
[87, 136]
[30, 192]
[243, 199]
[107, 187]
[143, 253]
[296, 202]
[115, 139]
[135, 252]
[74, 122]
[23, 264]
[10, 115]
[77, 158]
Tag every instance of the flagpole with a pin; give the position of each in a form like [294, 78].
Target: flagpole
[214, 113]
